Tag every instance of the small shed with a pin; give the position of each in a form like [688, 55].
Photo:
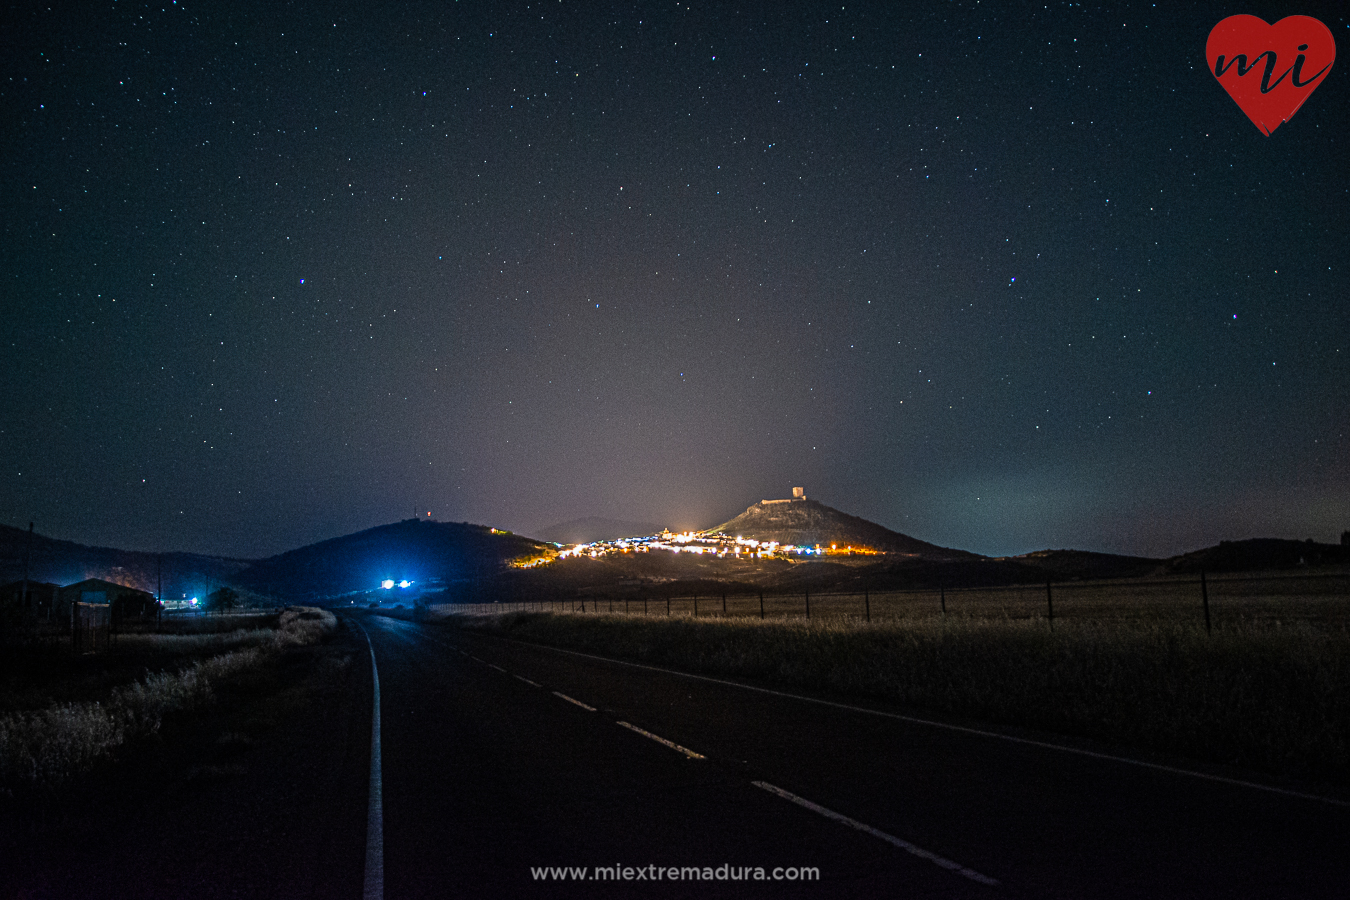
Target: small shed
[122, 601]
[36, 602]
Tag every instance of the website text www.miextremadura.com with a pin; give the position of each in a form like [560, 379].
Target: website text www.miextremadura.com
[723, 872]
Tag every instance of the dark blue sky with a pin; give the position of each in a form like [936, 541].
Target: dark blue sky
[999, 279]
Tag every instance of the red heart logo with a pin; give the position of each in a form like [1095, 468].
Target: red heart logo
[1270, 70]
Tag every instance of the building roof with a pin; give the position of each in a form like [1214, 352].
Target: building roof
[111, 587]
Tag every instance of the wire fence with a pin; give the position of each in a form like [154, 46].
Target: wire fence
[1205, 600]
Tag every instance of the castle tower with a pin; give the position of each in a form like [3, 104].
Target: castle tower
[799, 493]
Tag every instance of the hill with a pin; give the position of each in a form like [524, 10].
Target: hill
[66, 562]
[592, 529]
[810, 523]
[1056, 564]
[414, 550]
[1259, 553]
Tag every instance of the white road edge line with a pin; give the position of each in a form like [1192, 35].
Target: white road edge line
[660, 740]
[888, 838]
[1160, 767]
[527, 681]
[374, 882]
[574, 700]
[498, 668]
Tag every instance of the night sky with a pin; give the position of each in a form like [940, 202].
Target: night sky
[1001, 279]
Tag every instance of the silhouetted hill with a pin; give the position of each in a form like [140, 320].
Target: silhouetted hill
[415, 550]
[65, 562]
[810, 523]
[1259, 553]
[1086, 564]
[592, 529]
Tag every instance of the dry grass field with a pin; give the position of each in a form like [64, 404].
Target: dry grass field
[60, 713]
[1322, 598]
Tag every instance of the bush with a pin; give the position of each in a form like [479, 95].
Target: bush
[48, 747]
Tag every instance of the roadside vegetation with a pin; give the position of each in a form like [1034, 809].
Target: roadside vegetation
[1262, 695]
[43, 746]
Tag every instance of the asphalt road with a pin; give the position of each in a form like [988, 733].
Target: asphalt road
[500, 757]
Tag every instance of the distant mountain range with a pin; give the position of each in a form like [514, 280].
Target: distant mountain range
[65, 562]
[461, 557]
[592, 529]
[419, 551]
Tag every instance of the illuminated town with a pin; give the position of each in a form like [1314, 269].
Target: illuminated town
[708, 543]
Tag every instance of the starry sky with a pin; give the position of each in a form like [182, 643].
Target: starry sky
[1001, 277]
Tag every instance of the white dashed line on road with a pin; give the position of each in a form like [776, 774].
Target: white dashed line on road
[660, 740]
[572, 700]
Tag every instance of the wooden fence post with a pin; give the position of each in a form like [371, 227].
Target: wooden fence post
[761, 604]
[942, 598]
[808, 604]
[867, 605]
[1204, 598]
[724, 603]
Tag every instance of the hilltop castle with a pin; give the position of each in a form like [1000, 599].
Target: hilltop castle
[798, 493]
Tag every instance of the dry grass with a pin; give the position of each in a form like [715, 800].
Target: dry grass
[47, 747]
[1320, 597]
[1269, 697]
[193, 644]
